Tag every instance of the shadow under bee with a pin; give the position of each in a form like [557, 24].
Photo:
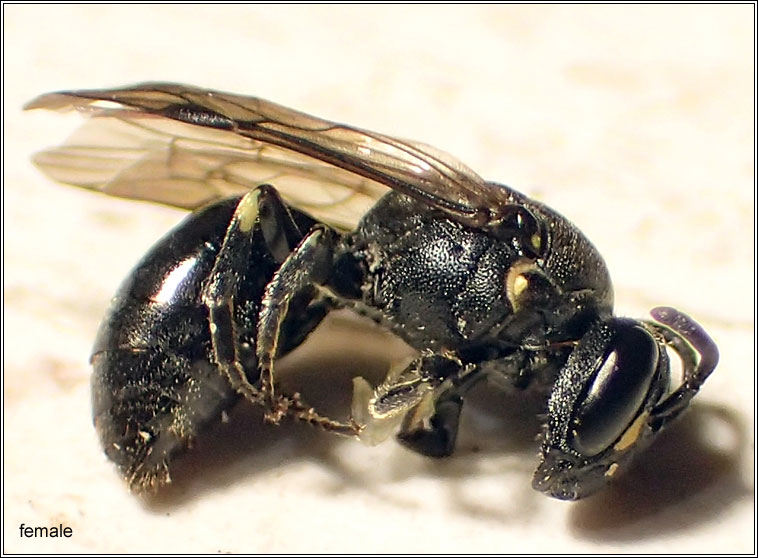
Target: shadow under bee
[497, 440]
[244, 445]
[494, 422]
[688, 476]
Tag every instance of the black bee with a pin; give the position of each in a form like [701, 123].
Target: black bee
[481, 280]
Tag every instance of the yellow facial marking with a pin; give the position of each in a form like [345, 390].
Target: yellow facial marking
[536, 242]
[632, 433]
[612, 470]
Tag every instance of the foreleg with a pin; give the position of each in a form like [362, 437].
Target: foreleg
[424, 399]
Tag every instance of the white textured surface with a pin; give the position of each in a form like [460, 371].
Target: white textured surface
[636, 122]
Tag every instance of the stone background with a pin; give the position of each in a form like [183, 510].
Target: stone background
[636, 122]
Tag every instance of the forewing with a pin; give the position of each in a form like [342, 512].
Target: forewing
[184, 146]
[134, 155]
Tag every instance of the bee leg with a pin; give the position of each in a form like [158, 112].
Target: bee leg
[261, 211]
[221, 289]
[436, 435]
[296, 282]
[523, 369]
[281, 233]
[425, 398]
[687, 338]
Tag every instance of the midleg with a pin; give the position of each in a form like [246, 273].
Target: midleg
[301, 275]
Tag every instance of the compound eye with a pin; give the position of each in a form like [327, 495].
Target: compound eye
[617, 391]
[522, 227]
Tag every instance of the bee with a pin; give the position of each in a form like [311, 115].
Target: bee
[293, 217]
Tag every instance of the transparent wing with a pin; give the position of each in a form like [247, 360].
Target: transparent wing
[132, 155]
[184, 146]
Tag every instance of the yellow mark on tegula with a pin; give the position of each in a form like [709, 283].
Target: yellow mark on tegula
[612, 470]
[517, 282]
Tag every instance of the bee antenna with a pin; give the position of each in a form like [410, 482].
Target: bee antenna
[695, 335]
[683, 334]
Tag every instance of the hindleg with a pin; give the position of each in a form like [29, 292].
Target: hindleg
[221, 291]
[259, 213]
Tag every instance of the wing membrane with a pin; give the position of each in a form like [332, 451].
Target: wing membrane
[188, 166]
[185, 146]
